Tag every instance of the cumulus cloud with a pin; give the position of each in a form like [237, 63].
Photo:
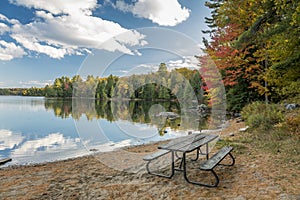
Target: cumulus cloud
[9, 50]
[190, 62]
[3, 28]
[162, 12]
[67, 27]
[59, 7]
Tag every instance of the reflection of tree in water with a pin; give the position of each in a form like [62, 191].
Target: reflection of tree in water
[139, 110]
[132, 111]
[61, 107]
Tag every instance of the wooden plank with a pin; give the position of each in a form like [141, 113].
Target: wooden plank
[198, 143]
[216, 158]
[185, 145]
[155, 155]
[5, 160]
[182, 141]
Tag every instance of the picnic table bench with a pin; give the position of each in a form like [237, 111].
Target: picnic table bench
[188, 144]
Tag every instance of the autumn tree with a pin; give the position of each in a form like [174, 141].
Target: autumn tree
[255, 45]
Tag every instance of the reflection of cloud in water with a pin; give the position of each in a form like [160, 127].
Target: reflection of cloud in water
[50, 148]
[57, 147]
[52, 143]
[9, 140]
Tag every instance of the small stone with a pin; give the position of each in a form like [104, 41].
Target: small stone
[244, 129]
[93, 150]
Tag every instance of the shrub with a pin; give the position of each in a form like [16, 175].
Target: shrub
[293, 123]
[262, 115]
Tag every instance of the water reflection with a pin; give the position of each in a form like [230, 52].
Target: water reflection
[9, 140]
[34, 129]
[132, 111]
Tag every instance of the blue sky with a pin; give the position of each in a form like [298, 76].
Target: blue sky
[41, 40]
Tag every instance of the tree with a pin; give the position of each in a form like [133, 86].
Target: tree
[255, 44]
[162, 67]
[100, 90]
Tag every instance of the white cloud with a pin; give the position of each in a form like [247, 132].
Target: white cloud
[9, 140]
[36, 83]
[142, 69]
[60, 7]
[188, 62]
[67, 27]
[162, 12]
[5, 19]
[3, 28]
[9, 50]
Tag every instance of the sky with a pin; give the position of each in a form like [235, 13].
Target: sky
[41, 40]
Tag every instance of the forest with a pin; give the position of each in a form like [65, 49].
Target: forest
[162, 85]
[255, 45]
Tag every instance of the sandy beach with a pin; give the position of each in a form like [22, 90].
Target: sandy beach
[115, 175]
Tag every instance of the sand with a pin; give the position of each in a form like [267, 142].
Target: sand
[122, 175]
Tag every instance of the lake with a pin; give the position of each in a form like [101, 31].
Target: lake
[36, 129]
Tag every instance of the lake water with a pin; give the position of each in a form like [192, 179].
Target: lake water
[35, 129]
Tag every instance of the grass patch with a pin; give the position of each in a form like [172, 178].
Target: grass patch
[239, 147]
[278, 141]
[274, 130]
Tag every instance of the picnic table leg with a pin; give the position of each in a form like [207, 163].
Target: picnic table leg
[207, 157]
[162, 175]
[198, 183]
[232, 163]
[198, 151]
[206, 152]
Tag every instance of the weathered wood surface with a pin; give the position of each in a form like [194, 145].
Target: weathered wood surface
[216, 158]
[155, 155]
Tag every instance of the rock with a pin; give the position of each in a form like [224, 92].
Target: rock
[170, 115]
[244, 129]
[202, 108]
[93, 150]
[291, 106]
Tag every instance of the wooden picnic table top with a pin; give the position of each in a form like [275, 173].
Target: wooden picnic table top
[189, 143]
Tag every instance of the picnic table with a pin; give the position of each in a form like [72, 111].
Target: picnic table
[187, 144]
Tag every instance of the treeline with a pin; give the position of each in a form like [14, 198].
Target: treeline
[178, 84]
[255, 45]
[34, 91]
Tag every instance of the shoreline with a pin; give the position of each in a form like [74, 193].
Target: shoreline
[256, 175]
[93, 152]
